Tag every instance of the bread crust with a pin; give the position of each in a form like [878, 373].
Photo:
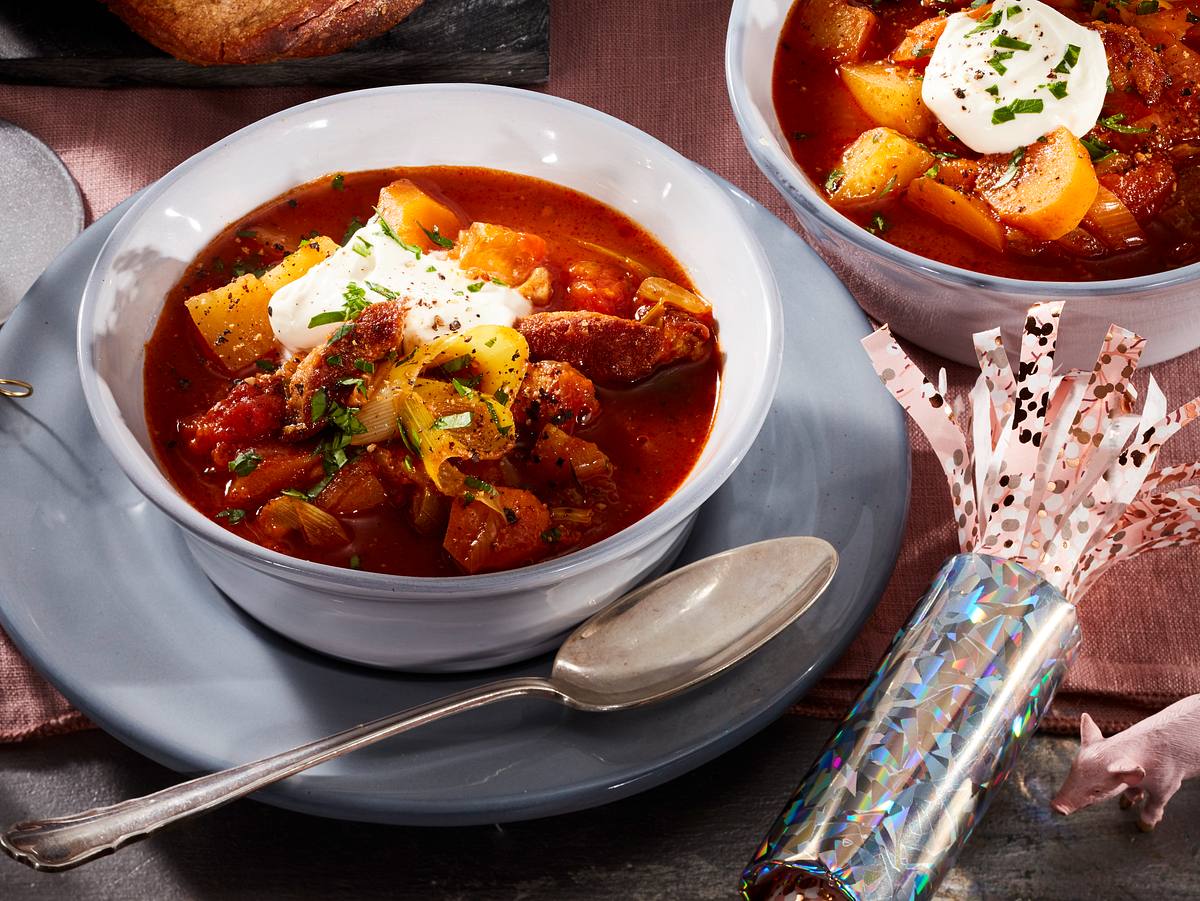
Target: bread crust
[224, 32]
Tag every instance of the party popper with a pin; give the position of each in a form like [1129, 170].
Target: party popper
[1052, 481]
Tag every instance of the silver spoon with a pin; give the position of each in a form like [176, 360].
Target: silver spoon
[653, 643]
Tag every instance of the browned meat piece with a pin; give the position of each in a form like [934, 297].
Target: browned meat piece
[611, 350]
[1132, 62]
[377, 331]
[1146, 188]
[252, 411]
[555, 393]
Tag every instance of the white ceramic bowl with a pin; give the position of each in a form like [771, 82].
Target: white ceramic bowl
[458, 623]
[932, 304]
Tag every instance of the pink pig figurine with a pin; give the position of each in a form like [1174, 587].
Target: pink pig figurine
[1148, 760]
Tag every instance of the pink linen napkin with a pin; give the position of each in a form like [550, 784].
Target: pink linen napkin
[658, 66]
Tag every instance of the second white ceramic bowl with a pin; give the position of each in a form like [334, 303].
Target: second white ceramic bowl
[932, 304]
[458, 623]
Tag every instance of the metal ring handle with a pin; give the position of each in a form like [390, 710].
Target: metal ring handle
[15, 388]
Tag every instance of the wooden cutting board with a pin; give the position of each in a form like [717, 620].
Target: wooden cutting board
[79, 42]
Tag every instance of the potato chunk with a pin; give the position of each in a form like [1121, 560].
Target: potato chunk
[967, 214]
[1054, 186]
[410, 211]
[890, 95]
[880, 162]
[835, 28]
[233, 319]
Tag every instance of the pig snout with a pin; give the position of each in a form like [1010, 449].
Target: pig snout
[1061, 807]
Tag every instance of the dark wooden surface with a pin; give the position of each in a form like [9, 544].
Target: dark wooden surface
[685, 841]
[78, 42]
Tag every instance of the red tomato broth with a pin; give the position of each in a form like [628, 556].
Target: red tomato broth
[653, 432]
[820, 118]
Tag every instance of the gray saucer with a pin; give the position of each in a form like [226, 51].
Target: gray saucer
[40, 212]
[98, 591]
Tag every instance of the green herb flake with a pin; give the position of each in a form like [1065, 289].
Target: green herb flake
[994, 90]
[475, 287]
[338, 182]
[990, 22]
[1058, 89]
[878, 224]
[247, 233]
[932, 171]
[1017, 107]
[436, 236]
[334, 359]
[1096, 148]
[354, 225]
[1010, 43]
[355, 563]
[296, 493]
[834, 181]
[327, 318]
[502, 396]
[998, 60]
[233, 515]
[479, 485]
[266, 365]
[453, 421]
[1147, 7]
[320, 403]
[386, 293]
[364, 366]
[431, 269]
[461, 388]
[342, 331]
[387, 230]
[458, 363]
[1116, 123]
[888, 187]
[550, 536]
[1014, 163]
[245, 463]
[362, 246]
[1069, 60]
[490, 342]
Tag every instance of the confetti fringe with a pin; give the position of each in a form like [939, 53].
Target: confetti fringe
[1055, 472]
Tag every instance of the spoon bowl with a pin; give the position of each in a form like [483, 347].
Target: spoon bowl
[691, 624]
[655, 642]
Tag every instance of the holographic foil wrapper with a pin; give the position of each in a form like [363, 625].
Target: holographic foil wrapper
[894, 795]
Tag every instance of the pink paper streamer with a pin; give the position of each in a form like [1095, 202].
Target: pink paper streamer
[1058, 470]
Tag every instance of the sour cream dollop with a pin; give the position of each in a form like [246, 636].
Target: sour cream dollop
[1003, 81]
[438, 297]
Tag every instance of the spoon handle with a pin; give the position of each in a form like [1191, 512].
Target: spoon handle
[61, 843]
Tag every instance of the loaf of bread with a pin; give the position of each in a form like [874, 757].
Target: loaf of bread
[222, 32]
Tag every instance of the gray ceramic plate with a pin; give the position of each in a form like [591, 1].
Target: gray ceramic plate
[40, 211]
[99, 593]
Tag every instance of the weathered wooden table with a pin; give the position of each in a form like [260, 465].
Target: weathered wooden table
[685, 841]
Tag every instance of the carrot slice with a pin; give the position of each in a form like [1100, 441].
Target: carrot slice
[1053, 188]
[967, 214]
[919, 42]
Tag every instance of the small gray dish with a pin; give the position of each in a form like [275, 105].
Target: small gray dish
[99, 592]
[40, 212]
